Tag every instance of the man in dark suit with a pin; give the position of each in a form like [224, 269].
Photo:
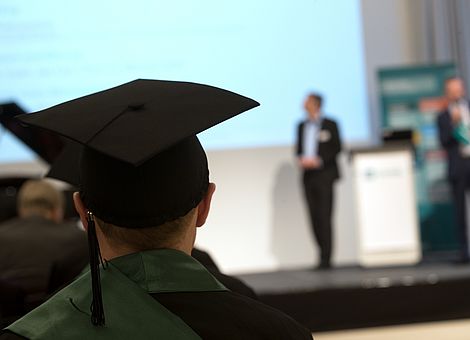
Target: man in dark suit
[318, 144]
[453, 124]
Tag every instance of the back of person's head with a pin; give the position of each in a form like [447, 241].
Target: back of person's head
[148, 206]
[40, 198]
[165, 235]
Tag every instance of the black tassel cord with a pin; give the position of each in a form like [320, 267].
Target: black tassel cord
[97, 310]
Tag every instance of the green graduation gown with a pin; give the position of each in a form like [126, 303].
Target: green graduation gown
[130, 312]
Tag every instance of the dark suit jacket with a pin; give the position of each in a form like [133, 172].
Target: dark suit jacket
[40, 256]
[328, 149]
[456, 163]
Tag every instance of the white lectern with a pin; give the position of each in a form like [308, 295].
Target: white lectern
[386, 209]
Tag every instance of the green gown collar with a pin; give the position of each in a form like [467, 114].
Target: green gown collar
[166, 270]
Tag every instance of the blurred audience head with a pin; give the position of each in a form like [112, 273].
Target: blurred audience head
[40, 198]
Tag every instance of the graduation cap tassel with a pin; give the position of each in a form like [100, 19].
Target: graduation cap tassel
[97, 310]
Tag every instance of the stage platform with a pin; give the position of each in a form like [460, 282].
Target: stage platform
[355, 297]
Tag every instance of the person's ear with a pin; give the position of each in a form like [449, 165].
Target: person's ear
[204, 206]
[81, 209]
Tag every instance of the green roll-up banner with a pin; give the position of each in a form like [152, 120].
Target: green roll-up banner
[411, 98]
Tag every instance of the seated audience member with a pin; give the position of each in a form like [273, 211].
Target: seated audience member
[142, 198]
[39, 253]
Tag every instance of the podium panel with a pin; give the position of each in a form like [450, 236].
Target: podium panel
[386, 207]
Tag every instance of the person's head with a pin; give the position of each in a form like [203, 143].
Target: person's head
[158, 204]
[454, 89]
[142, 172]
[176, 234]
[40, 198]
[313, 104]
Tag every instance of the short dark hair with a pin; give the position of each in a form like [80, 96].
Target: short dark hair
[318, 97]
[140, 239]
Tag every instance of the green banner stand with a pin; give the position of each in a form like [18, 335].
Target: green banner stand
[411, 98]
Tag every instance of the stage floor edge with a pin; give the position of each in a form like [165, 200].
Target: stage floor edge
[355, 297]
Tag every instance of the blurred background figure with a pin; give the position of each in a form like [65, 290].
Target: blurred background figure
[454, 125]
[318, 145]
[39, 252]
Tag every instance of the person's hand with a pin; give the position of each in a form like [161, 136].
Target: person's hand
[456, 115]
[308, 163]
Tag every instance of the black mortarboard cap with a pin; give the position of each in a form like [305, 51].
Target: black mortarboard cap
[156, 114]
[140, 162]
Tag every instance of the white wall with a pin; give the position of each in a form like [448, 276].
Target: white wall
[24, 169]
[258, 219]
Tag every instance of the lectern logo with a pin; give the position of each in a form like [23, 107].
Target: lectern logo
[374, 173]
